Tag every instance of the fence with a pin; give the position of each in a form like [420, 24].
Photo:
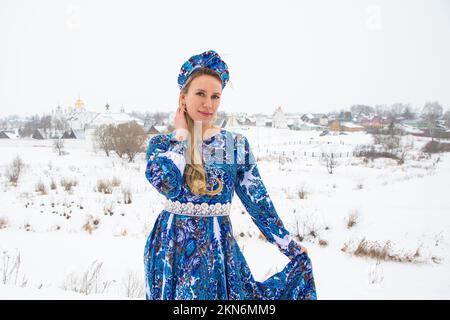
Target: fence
[309, 154]
[299, 142]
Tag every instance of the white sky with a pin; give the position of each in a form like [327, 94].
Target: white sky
[307, 56]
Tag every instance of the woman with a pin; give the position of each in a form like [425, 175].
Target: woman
[191, 252]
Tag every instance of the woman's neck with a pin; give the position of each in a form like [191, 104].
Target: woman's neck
[209, 131]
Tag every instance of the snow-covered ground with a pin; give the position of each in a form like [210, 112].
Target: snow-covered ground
[63, 236]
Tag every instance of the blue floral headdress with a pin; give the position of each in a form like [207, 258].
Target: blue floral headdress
[208, 59]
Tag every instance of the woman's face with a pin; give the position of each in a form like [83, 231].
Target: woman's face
[203, 98]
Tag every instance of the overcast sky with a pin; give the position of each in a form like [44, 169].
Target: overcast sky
[305, 56]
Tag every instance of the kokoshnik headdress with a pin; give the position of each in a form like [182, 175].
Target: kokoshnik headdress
[208, 59]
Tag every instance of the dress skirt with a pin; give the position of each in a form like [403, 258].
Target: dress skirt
[197, 258]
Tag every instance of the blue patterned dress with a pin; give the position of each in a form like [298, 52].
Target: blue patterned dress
[190, 257]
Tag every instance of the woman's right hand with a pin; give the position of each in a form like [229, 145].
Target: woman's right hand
[181, 128]
[303, 250]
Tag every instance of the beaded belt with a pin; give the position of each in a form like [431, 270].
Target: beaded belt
[202, 210]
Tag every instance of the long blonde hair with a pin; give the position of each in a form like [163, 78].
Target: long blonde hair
[195, 171]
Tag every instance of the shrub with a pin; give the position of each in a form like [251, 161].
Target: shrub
[133, 285]
[436, 147]
[375, 250]
[302, 193]
[68, 184]
[352, 219]
[10, 269]
[126, 196]
[14, 170]
[3, 223]
[87, 282]
[108, 209]
[310, 230]
[41, 188]
[104, 186]
[115, 182]
[91, 224]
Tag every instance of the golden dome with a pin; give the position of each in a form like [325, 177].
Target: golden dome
[79, 104]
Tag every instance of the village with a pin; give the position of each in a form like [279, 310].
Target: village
[78, 121]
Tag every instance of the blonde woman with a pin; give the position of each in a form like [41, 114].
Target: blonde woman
[191, 253]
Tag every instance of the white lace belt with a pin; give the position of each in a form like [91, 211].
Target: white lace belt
[202, 210]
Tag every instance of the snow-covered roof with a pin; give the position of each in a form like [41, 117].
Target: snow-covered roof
[114, 118]
[160, 128]
[350, 125]
[408, 129]
[79, 133]
[308, 124]
[10, 135]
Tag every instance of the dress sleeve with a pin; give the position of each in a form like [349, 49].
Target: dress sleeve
[255, 198]
[165, 164]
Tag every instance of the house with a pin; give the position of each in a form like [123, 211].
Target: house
[316, 118]
[351, 127]
[307, 117]
[323, 120]
[74, 134]
[4, 135]
[278, 119]
[8, 135]
[374, 122]
[155, 130]
[260, 120]
[38, 134]
[334, 125]
[249, 122]
[230, 122]
[345, 116]
[306, 126]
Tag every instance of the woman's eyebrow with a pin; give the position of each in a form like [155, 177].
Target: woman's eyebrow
[198, 90]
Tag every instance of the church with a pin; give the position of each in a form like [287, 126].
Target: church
[83, 122]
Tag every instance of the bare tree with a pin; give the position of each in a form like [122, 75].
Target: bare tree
[159, 117]
[447, 118]
[46, 123]
[387, 143]
[431, 112]
[58, 145]
[329, 162]
[129, 138]
[103, 137]
[380, 110]
[359, 109]
[393, 114]
[408, 112]
[27, 130]
[61, 124]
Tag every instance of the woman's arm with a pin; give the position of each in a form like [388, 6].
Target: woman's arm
[255, 198]
[165, 164]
